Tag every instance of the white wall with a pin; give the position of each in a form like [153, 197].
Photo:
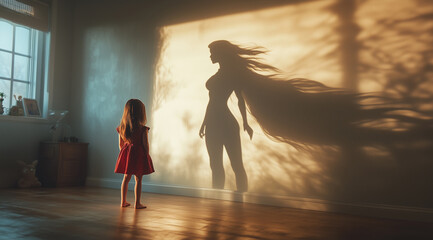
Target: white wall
[113, 63]
[115, 47]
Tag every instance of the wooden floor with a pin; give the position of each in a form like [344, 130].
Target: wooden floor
[94, 213]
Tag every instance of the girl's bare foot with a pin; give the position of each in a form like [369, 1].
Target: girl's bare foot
[125, 204]
[139, 206]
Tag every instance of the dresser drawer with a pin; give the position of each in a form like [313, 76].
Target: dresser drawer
[62, 164]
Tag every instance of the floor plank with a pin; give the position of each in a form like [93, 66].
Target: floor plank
[94, 213]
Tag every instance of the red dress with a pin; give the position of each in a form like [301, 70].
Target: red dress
[133, 157]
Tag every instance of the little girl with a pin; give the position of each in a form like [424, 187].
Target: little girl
[134, 158]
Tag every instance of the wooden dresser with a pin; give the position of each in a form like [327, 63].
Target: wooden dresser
[62, 164]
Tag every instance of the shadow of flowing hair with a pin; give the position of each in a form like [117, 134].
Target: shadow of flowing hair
[302, 112]
[134, 117]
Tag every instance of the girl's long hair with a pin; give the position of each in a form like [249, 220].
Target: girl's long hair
[134, 117]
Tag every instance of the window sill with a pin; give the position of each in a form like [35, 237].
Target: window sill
[4, 118]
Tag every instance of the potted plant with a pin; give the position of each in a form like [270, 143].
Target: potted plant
[2, 97]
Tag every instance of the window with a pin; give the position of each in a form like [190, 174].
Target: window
[21, 62]
[24, 31]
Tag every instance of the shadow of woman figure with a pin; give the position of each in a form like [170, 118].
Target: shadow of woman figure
[219, 124]
[297, 111]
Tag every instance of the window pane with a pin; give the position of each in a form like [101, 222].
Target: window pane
[20, 89]
[5, 87]
[5, 64]
[22, 40]
[21, 68]
[6, 31]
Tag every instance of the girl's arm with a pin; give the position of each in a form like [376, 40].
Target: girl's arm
[242, 109]
[146, 140]
[121, 142]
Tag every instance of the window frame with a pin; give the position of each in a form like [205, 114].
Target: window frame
[36, 75]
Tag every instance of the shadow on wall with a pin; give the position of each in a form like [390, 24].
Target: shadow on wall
[357, 144]
[303, 113]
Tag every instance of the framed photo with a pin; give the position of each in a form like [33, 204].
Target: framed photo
[31, 107]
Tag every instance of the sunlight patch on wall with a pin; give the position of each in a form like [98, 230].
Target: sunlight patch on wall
[390, 53]
[396, 49]
[301, 43]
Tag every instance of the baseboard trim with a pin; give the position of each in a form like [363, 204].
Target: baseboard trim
[369, 210]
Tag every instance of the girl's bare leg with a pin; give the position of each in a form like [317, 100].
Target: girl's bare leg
[138, 192]
[124, 190]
